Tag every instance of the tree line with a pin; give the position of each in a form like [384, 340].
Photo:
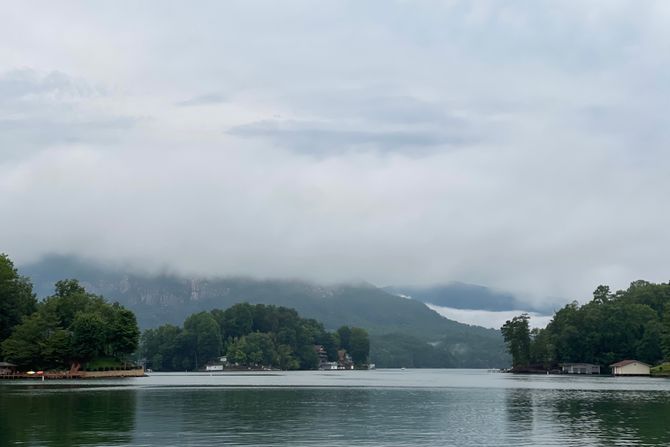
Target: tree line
[627, 324]
[65, 330]
[249, 335]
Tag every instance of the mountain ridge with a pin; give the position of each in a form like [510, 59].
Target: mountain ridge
[168, 298]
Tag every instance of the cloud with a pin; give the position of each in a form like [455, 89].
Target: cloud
[203, 100]
[28, 84]
[520, 145]
[354, 121]
[43, 109]
[322, 138]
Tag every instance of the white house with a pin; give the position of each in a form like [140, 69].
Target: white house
[630, 368]
[328, 366]
[580, 368]
[214, 367]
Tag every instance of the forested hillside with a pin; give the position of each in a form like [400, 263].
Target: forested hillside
[402, 332]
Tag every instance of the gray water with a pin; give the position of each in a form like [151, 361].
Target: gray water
[338, 408]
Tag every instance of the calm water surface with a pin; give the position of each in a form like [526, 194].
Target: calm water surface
[352, 408]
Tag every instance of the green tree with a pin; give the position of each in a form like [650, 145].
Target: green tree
[516, 333]
[237, 351]
[359, 346]
[168, 348]
[24, 347]
[57, 348]
[206, 334]
[542, 351]
[238, 320]
[307, 357]
[261, 349]
[602, 294]
[345, 337]
[648, 348]
[17, 299]
[70, 327]
[665, 335]
[285, 358]
[123, 333]
[70, 298]
[89, 335]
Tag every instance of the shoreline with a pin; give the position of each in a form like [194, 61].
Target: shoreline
[66, 375]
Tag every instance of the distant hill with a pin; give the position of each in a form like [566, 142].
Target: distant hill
[403, 332]
[458, 295]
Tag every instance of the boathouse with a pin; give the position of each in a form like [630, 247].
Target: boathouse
[630, 368]
[580, 368]
[7, 368]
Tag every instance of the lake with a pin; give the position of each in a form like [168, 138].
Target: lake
[338, 408]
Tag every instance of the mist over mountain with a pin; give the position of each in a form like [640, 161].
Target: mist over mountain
[403, 332]
[459, 295]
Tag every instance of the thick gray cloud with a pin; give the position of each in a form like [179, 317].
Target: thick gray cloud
[521, 145]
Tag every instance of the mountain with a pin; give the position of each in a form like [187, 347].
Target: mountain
[458, 295]
[403, 332]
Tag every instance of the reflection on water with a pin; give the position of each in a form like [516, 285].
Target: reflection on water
[314, 417]
[519, 410]
[160, 414]
[34, 415]
[615, 418]
[589, 417]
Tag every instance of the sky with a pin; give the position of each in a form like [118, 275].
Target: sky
[522, 145]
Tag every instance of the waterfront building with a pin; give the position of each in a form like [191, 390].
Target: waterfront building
[580, 368]
[344, 360]
[630, 368]
[214, 367]
[7, 368]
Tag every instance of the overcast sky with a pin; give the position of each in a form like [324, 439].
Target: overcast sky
[523, 145]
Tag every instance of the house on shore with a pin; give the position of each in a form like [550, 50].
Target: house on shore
[328, 366]
[580, 368]
[324, 363]
[321, 354]
[344, 360]
[218, 365]
[7, 368]
[630, 368]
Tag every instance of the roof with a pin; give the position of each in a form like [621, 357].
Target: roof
[580, 364]
[627, 362]
[6, 365]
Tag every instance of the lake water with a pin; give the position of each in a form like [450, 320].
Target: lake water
[338, 408]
